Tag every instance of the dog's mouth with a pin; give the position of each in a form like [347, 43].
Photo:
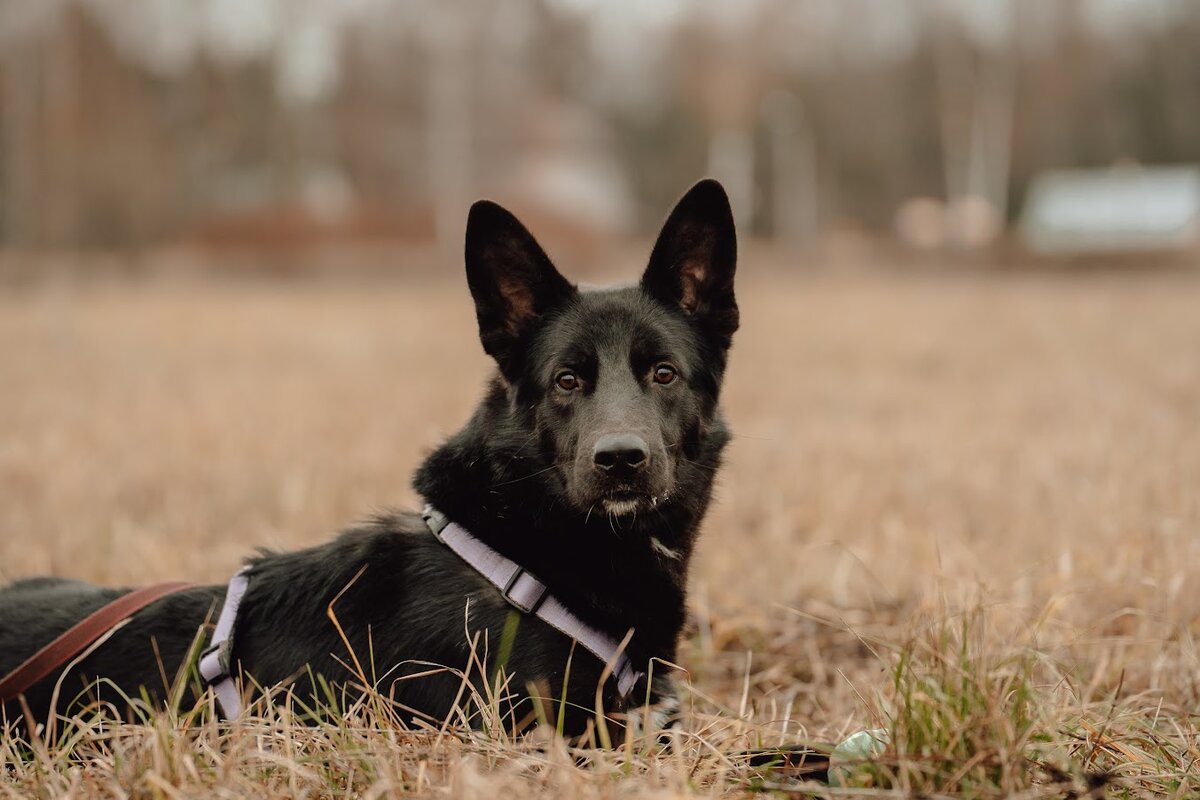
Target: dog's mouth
[627, 501]
[621, 503]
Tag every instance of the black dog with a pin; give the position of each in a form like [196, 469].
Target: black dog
[589, 462]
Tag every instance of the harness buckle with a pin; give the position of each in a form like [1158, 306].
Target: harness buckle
[532, 607]
[214, 660]
[436, 520]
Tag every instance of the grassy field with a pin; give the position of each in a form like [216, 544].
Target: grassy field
[964, 508]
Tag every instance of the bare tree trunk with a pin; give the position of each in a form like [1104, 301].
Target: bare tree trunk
[955, 88]
[59, 59]
[793, 157]
[731, 160]
[976, 87]
[997, 94]
[449, 132]
[18, 122]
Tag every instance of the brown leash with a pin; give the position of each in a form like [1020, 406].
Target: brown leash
[73, 641]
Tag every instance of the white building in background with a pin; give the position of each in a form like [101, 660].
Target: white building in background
[1125, 209]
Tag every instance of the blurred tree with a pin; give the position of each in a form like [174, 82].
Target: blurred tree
[123, 124]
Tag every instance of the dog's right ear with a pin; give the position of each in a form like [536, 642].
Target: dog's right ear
[692, 265]
[511, 278]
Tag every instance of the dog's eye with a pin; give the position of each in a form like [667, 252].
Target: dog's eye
[664, 374]
[567, 381]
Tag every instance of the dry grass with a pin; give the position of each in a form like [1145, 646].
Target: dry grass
[964, 508]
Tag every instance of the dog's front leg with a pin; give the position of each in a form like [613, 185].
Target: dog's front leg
[658, 713]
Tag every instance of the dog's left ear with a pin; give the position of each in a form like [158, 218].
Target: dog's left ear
[694, 259]
[511, 278]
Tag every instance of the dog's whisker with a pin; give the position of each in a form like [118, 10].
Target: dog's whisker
[524, 477]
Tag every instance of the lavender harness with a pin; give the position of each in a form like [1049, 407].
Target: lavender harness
[518, 587]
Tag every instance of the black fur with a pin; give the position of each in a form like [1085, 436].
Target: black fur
[646, 363]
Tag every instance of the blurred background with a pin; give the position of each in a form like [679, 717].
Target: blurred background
[272, 125]
[233, 313]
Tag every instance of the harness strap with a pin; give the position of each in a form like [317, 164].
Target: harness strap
[75, 639]
[215, 662]
[529, 595]
[518, 587]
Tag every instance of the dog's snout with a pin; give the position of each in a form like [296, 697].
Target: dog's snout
[620, 453]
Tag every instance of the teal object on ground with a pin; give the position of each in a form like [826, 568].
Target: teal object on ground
[855, 751]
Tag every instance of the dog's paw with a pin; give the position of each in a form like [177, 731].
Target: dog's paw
[654, 719]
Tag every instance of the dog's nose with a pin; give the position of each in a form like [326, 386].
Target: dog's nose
[620, 453]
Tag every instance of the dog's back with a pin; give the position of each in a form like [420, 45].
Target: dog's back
[35, 610]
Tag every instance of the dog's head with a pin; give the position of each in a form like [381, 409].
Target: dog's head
[615, 389]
